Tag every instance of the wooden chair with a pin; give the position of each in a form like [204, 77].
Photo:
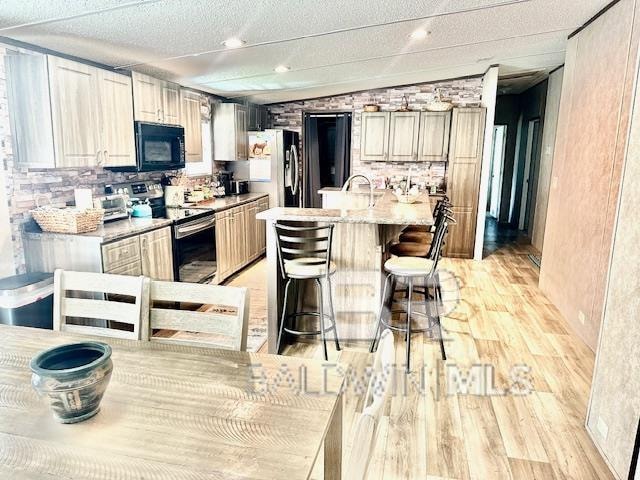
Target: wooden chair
[224, 314]
[98, 300]
[364, 438]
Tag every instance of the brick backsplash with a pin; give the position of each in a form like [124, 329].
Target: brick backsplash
[465, 92]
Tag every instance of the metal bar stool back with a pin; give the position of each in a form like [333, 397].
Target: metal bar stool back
[304, 253]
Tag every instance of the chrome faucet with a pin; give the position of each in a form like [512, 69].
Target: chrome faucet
[347, 184]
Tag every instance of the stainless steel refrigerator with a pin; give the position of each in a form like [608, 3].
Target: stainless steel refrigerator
[274, 166]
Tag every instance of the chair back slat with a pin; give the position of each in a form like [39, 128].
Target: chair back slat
[377, 393]
[223, 313]
[96, 300]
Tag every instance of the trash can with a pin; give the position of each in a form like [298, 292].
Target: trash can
[27, 300]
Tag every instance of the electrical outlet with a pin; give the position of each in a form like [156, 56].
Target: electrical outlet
[603, 429]
[581, 317]
[554, 182]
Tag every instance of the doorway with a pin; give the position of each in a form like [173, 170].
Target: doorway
[327, 153]
[497, 168]
[531, 154]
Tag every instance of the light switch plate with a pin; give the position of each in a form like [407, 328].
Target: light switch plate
[603, 429]
[581, 317]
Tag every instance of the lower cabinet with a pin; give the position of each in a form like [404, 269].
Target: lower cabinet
[240, 237]
[149, 254]
[156, 253]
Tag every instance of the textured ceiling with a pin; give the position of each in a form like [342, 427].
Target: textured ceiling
[331, 46]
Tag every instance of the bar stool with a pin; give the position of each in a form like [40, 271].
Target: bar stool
[414, 269]
[304, 253]
[440, 204]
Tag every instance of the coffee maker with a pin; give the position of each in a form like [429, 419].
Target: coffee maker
[225, 178]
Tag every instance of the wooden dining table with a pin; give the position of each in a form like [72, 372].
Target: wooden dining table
[173, 412]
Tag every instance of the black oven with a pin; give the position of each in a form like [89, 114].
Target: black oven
[194, 246]
[158, 147]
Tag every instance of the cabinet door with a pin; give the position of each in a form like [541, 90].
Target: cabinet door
[170, 93]
[264, 118]
[74, 110]
[121, 253]
[156, 252]
[403, 136]
[374, 136]
[239, 238]
[192, 123]
[116, 118]
[261, 230]
[433, 145]
[223, 245]
[251, 230]
[147, 101]
[242, 140]
[465, 159]
[254, 117]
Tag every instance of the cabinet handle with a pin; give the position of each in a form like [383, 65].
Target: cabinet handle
[159, 114]
[98, 159]
[106, 156]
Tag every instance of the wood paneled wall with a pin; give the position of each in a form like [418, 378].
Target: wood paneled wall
[615, 396]
[600, 69]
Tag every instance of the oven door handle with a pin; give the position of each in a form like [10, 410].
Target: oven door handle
[183, 231]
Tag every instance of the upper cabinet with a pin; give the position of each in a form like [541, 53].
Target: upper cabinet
[90, 113]
[374, 136]
[230, 132]
[403, 136]
[258, 117]
[434, 136]
[116, 119]
[75, 110]
[155, 100]
[192, 122]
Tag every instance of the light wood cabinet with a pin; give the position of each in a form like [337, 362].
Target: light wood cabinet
[465, 154]
[75, 113]
[374, 136]
[146, 98]
[149, 254]
[223, 245]
[155, 100]
[434, 136]
[156, 253]
[192, 122]
[240, 237]
[261, 230]
[239, 233]
[116, 119]
[230, 139]
[403, 136]
[120, 253]
[86, 122]
[251, 228]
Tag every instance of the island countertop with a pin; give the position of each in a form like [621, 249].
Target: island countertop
[386, 211]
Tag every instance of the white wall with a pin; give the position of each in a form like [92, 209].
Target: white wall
[489, 93]
[552, 110]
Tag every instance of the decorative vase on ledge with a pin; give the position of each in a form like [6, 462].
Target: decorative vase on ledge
[73, 378]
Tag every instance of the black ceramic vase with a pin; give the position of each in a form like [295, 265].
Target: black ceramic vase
[73, 378]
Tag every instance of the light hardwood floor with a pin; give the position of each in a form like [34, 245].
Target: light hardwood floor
[503, 320]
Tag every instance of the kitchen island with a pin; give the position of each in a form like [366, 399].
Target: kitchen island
[361, 238]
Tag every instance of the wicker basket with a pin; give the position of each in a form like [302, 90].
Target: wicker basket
[67, 220]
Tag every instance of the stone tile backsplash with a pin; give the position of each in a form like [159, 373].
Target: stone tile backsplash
[465, 92]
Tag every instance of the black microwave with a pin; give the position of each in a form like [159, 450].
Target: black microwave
[158, 147]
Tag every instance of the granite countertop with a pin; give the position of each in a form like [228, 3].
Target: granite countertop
[111, 230]
[387, 210]
[219, 204]
[118, 229]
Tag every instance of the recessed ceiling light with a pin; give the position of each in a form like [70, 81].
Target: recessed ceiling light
[282, 69]
[233, 43]
[419, 34]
